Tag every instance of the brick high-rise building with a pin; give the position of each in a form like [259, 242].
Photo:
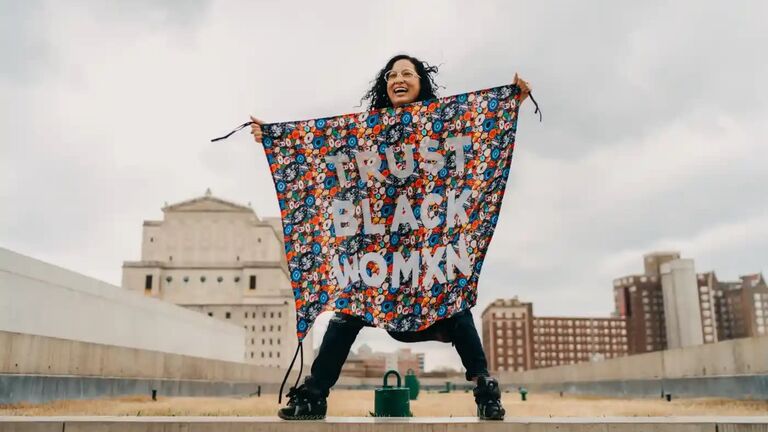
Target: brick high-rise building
[654, 260]
[709, 291]
[515, 340]
[639, 300]
[508, 335]
[742, 307]
[664, 306]
[568, 340]
[722, 310]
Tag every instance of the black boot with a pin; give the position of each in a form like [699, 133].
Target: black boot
[488, 399]
[306, 402]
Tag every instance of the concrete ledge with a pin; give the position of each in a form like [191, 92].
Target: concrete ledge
[39, 388]
[367, 424]
[733, 387]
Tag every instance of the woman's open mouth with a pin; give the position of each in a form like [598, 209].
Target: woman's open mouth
[400, 90]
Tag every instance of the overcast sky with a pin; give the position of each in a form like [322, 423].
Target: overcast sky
[654, 132]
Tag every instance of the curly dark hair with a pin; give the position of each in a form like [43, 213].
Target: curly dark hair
[377, 96]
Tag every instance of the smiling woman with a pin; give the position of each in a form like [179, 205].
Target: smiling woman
[402, 80]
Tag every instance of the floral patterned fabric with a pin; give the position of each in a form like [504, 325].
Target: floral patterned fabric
[387, 214]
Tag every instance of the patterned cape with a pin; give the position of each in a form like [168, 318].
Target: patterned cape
[387, 214]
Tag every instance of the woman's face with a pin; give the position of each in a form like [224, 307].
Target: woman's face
[403, 85]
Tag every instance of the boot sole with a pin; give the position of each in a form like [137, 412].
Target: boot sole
[495, 418]
[304, 417]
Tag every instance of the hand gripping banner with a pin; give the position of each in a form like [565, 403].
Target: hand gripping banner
[387, 214]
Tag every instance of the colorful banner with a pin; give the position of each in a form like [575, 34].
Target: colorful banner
[387, 214]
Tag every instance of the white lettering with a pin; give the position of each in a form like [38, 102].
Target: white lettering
[392, 162]
[456, 207]
[344, 221]
[368, 163]
[401, 266]
[403, 214]
[433, 265]
[433, 160]
[374, 279]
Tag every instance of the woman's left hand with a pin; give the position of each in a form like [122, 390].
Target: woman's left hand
[525, 88]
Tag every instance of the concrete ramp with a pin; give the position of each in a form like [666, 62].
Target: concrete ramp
[367, 424]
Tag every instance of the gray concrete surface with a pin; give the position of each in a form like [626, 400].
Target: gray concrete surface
[745, 356]
[39, 389]
[367, 424]
[753, 387]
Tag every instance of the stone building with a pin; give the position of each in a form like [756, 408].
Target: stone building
[219, 258]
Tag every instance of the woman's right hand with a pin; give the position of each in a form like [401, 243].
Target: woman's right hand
[256, 129]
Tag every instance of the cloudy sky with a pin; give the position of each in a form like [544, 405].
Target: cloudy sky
[654, 133]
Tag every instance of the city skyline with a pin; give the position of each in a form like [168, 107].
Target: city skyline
[652, 136]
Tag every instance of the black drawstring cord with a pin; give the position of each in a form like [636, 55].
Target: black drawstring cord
[230, 134]
[299, 349]
[530, 94]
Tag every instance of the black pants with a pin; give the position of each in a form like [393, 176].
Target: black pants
[343, 329]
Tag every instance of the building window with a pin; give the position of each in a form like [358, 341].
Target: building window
[251, 354]
[227, 315]
[270, 341]
[210, 314]
[252, 282]
[278, 341]
[202, 278]
[262, 341]
[252, 342]
[262, 354]
[148, 282]
[271, 314]
[279, 314]
[278, 354]
[246, 316]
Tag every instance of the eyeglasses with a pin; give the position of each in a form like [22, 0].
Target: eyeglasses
[405, 73]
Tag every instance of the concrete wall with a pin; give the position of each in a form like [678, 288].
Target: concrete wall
[40, 355]
[42, 299]
[748, 356]
[39, 368]
[754, 387]
[736, 368]
[46, 388]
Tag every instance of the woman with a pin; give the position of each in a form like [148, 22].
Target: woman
[404, 79]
